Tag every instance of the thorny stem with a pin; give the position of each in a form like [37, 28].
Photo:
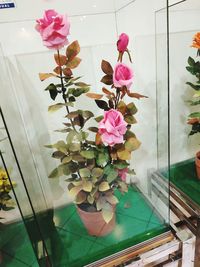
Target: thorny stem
[64, 90]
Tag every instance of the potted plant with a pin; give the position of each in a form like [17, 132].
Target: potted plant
[194, 117]
[6, 202]
[97, 164]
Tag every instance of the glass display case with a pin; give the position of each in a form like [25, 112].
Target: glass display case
[56, 236]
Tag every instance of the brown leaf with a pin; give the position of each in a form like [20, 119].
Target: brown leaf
[122, 107]
[98, 140]
[60, 59]
[94, 96]
[106, 67]
[72, 64]
[57, 70]
[107, 79]
[132, 144]
[107, 92]
[136, 95]
[124, 154]
[44, 76]
[67, 72]
[72, 50]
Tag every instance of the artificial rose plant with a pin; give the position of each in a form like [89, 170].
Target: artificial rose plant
[194, 69]
[99, 166]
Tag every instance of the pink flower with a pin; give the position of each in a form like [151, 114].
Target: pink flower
[123, 173]
[54, 29]
[122, 43]
[123, 75]
[112, 127]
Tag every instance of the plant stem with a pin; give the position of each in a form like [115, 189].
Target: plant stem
[64, 90]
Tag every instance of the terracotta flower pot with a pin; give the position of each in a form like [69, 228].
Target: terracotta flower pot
[95, 224]
[197, 162]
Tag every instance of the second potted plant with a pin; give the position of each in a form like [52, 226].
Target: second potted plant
[194, 118]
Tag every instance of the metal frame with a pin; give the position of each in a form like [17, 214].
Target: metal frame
[183, 207]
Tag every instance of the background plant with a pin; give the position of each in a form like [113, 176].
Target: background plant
[194, 69]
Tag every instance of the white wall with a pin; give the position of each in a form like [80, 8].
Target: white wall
[26, 57]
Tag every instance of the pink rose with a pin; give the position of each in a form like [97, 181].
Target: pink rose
[54, 29]
[123, 75]
[122, 43]
[123, 173]
[112, 127]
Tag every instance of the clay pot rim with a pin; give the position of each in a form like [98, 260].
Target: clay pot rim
[86, 212]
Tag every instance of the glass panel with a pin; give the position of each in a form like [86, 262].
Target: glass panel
[139, 215]
[184, 94]
[17, 247]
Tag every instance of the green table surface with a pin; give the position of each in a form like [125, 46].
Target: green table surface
[68, 242]
[183, 176]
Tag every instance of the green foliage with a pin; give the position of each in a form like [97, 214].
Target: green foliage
[194, 118]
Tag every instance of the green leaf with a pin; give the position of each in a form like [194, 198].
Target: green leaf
[132, 108]
[122, 107]
[70, 136]
[123, 186]
[60, 145]
[99, 118]
[64, 130]
[97, 172]
[79, 91]
[102, 104]
[107, 212]
[194, 86]
[132, 144]
[121, 164]
[87, 114]
[112, 199]
[191, 61]
[87, 186]
[88, 154]
[194, 103]
[90, 199]
[55, 173]
[66, 159]
[81, 84]
[112, 176]
[104, 186]
[195, 115]
[102, 158]
[52, 91]
[69, 168]
[93, 129]
[73, 114]
[84, 172]
[57, 106]
[74, 147]
[81, 197]
[129, 134]
[130, 119]
[58, 154]
[75, 190]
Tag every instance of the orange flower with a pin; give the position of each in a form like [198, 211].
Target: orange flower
[196, 41]
[193, 121]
